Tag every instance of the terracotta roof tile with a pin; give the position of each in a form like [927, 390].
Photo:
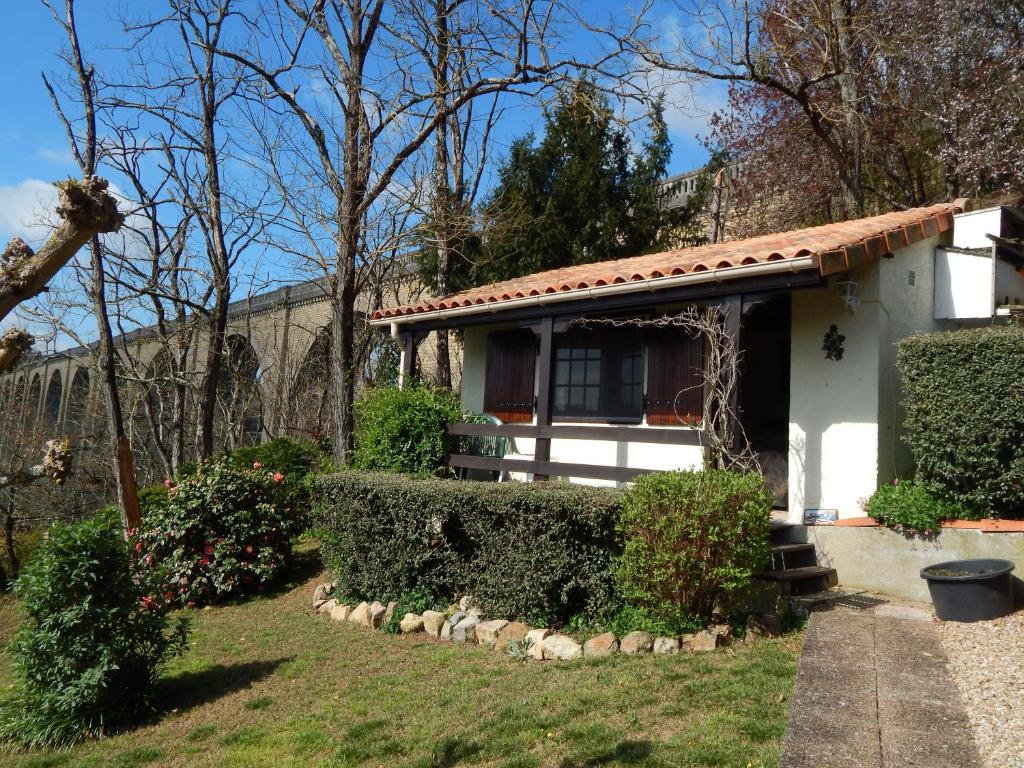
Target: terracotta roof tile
[834, 248]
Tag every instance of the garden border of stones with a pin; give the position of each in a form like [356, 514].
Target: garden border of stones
[464, 624]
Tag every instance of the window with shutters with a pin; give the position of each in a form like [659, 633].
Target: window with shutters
[599, 374]
[675, 378]
[508, 379]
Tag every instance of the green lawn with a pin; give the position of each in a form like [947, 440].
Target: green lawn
[268, 684]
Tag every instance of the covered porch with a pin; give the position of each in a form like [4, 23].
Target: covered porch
[594, 403]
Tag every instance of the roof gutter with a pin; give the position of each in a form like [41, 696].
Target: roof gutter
[634, 286]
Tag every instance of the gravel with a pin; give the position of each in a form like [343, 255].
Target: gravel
[986, 659]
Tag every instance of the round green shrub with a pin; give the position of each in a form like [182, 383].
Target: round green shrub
[910, 505]
[221, 533]
[691, 540]
[93, 641]
[964, 399]
[292, 458]
[403, 430]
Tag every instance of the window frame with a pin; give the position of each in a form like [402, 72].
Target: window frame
[622, 343]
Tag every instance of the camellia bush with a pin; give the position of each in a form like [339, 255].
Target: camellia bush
[93, 642]
[964, 399]
[403, 430]
[221, 533]
[692, 539]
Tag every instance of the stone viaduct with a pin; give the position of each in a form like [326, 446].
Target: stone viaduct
[276, 381]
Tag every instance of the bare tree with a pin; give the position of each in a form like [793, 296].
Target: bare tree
[84, 147]
[441, 33]
[191, 94]
[384, 120]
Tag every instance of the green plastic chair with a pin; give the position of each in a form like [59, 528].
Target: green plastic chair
[491, 446]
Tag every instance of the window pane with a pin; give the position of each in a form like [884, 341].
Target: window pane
[562, 372]
[602, 371]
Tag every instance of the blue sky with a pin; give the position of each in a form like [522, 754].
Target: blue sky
[33, 146]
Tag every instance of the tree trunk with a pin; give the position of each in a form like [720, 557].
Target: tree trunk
[220, 266]
[442, 187]
[127, 490]
[12, 552]
[854, 194]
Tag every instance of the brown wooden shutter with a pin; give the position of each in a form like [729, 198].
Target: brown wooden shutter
[508, 380]
[675, 379]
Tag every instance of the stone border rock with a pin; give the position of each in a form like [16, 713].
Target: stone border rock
[464, 624]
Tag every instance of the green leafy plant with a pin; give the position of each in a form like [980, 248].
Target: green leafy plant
[282, 454]
[416, 601]
[692, 539]
[520, 650]
[663, 623]
[93, 642]
[538, 552]
[910, 505]
[221, 533]
[152, 497]
[403, 430]
[964, 399]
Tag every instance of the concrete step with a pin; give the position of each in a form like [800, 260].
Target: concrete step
[801, 581]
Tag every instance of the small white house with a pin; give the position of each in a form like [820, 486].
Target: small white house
[816, 311]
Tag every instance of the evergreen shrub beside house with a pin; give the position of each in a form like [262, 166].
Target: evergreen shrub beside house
[964, 400]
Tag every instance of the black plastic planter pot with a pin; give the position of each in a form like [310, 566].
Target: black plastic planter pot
[970, 590]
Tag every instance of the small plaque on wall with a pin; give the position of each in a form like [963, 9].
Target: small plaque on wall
[820, 516]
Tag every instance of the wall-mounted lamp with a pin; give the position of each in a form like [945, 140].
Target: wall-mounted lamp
[847, 289]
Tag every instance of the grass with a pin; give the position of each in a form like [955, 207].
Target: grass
[265, 683]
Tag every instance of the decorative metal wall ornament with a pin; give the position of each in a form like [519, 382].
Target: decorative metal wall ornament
[833, 344]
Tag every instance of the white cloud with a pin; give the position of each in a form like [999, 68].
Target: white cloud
[27, 210]
[62, 156]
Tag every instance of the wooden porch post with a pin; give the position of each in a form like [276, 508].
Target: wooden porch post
[542, 449]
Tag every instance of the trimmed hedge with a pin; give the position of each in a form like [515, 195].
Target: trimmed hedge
[538, 552]
[964, 397]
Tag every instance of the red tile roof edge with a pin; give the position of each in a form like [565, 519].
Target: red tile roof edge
[834, 248]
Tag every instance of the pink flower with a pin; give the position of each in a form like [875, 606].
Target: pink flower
[168, 596]
[169, 483]
[278, 477]
[147, 602]
[208, 549]
[149, 559]
[138, 546]
[248, 548]
[257, 465]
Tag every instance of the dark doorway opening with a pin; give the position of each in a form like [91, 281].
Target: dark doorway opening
[764, 388]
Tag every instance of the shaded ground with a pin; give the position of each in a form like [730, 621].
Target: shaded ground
[267, 684]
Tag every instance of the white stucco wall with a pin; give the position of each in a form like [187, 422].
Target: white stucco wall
[833, 412]
[845, 416]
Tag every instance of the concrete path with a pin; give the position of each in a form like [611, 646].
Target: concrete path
[872, 691]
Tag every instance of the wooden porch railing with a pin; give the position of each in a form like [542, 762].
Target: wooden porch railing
[545, 467]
